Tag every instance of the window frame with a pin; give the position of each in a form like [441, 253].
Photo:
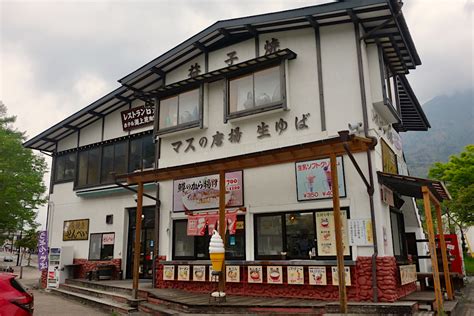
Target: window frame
[101, 248]
[240, 217]
[284, 241]
[180, 127]
[62, 156]
[282, 104]
[76, 180]
[114, 144]
[403, 256]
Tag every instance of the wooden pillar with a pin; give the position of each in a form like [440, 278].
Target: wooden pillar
[338, 234]
[442, 244]
[432, 244]
[222, 224]
[138, 231]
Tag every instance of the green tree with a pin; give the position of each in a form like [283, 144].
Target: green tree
[458, 175]
[21, 178]
[29, 241]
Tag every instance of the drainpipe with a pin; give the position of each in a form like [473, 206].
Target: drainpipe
[370, 190]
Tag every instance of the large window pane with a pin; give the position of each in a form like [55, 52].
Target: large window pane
[59, 172]
[95, 246]
[183, 244]
[120, 158]
[241, 94]
[69, 166]
[135, 154]
[168, 112]
[299, 235]
[267, 86]
[188, 106]
[148, 146]
[269, 235]
[82, 177]
[93, 166]
[107, 164]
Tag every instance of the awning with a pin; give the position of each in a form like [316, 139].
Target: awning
[411, 186]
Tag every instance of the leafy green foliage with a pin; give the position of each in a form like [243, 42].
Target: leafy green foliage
[458, 175]
[21, 178]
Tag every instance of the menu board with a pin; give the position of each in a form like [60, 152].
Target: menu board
[168, 273]
[326, 233]
[313, 179]
[335, 276]
[255, 274]
[317, 275]
[274, 275]
[232, 274]
[295, 275]
[199, 273]
[201, 193]
[389, 159]
[183, 273]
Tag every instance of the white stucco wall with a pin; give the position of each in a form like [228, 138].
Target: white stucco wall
[113, 124]
[69, 142]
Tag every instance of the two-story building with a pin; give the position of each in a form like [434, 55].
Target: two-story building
[240, 88]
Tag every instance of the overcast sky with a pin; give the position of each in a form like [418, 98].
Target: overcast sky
[57, 57]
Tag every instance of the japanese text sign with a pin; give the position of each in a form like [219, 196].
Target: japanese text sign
[76, 230]
[201, 193]
[313, 179]
[43, 250]
[137, 117]
[360, 232]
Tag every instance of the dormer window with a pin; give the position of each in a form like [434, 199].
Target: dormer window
[255, 92]
[180, 111]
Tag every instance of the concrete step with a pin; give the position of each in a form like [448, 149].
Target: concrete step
[112, 296]
[368, 308]
[99, 286]
[106, 304]
[155, 309]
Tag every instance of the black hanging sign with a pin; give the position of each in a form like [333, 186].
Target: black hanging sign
[137, 117]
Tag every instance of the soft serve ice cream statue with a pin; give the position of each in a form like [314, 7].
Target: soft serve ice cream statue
[216, 251]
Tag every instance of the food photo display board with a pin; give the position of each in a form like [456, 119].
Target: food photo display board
[199, 273]
[168, 273]
[202, 193]
[274, 275]
[232, 274]
[295, 275]
[255, 274]
[183, 273]
[317, 275]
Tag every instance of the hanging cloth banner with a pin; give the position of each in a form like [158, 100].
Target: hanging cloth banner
[197, 223]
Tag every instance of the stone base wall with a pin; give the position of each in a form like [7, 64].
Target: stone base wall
[388, 282]
[87, 265]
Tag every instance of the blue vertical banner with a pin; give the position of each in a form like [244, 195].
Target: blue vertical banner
[43, 250]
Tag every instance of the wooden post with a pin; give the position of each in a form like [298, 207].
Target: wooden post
[222, 224]
[442, 241]
[338, 233]
[432, 244]
[138, 231]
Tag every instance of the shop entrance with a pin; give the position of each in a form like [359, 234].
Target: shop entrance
[145, 268]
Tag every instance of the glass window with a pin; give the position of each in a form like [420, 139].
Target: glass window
[259, 89]
[82, 176]
[269, 235]
[398, 234]
[135, 154]
[148, 147]
[299, 235]
[65, 167]
[180, 109]
[120, 157]
[197, 247]
[183, 245]
[93, 166]
[100, 249]
[142, 153]
[107, 163]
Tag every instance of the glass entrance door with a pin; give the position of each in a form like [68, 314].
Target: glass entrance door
[147, 246]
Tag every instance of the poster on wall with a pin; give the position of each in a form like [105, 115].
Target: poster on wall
[137, 117]
[108, 239]
[77, 229]
[335, 276]
[274, 275]
[317, 275]
[168, 273]
[313, 179]
[360, 232]
[326, 236]
[408, 274]
[232, 274]
[183, 273]
[295, 275]
[255, 274]
[202, 193]
[199, 273]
